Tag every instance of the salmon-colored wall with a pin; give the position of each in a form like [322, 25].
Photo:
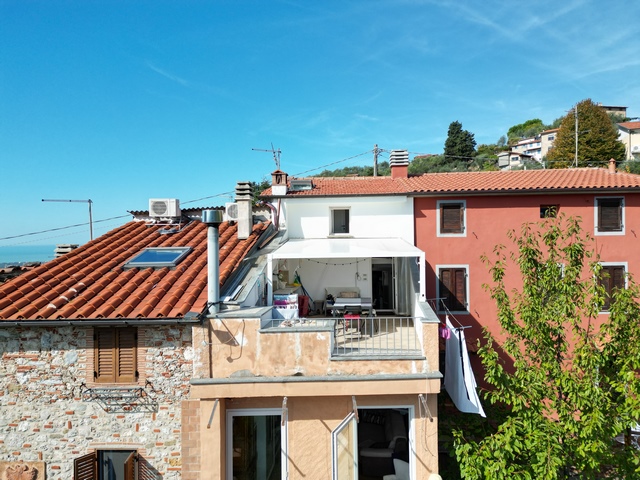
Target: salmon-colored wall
[310, 421]
[488, 219]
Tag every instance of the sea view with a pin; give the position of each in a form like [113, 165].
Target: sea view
[26, 253]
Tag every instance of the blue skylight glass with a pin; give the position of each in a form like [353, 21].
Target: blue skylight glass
[158, 257]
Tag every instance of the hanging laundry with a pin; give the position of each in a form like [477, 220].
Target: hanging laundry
[459, 381]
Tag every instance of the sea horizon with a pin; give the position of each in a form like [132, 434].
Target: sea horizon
[20, 254]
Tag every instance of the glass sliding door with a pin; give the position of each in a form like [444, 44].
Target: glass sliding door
[344, 440]
[256, 445]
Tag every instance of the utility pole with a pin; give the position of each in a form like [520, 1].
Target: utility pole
[375, 160]
[575, 109]
[80, 201]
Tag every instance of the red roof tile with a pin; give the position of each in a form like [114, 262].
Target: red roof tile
[630, 125]
[90, 283]
[521, 181]
[524, 181]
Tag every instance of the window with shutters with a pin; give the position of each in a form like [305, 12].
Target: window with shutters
[609, 216]
[339, 221]
[113, 465]
[451, 218]
[115, 355]
[612, 277]
[452, 288]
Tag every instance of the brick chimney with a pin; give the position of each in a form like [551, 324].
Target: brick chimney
[612, 165]
[399, 163]
[279, 182]
[244, 199]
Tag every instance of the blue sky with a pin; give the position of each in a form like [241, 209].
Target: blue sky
[119, 102]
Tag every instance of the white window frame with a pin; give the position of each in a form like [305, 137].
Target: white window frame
[439, 308]
[411, 419]
[332, 222]
[464, 218]
[626, 277]
[595, 216]
[255, 412]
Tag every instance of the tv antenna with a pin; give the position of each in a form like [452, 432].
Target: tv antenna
[79, 201]
[276, 154]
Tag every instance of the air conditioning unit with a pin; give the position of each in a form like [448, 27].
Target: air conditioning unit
[635, 149]
[164, 207]
[231, 212]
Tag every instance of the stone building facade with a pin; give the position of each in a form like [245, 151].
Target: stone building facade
[51, 411]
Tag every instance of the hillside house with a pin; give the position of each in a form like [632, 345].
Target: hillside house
[629, 134]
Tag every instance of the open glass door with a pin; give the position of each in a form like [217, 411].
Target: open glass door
[256, 445]
[344, 440]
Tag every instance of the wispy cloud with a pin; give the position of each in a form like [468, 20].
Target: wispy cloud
[170, 76]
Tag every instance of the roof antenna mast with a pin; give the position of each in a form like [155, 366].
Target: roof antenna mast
[276, 154]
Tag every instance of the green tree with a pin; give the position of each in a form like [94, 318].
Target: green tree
[460, 144]
[597, 139]
[574, 384]
[527, 129]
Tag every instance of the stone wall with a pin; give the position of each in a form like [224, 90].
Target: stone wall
[46, 413]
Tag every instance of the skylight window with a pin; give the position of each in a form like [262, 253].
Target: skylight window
[158, 257]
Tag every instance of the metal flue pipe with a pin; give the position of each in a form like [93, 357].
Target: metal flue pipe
[213, 219]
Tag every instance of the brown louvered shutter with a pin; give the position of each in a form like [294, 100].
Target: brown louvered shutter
[145, 470]
[453, 288]
[104, 355]
[610, 214]
[130, 467]
[611, 278]
[126, 354]
[451, 218]
[460, 292]
[85, 467]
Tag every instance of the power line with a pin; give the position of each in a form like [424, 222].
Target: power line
[61, 228]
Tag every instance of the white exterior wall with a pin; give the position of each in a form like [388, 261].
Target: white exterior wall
[369, 217]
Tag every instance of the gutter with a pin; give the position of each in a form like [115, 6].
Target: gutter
[324, 378]
[100, 322]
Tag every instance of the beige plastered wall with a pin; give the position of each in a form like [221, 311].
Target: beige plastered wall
[310, 421]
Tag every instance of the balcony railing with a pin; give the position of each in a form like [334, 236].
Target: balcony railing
[376, 337]
[366, 337]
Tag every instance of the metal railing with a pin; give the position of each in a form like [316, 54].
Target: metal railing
[376, 337]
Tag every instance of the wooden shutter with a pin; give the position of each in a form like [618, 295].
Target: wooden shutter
[609, 214]
[611, 278]
[126, 355]
[130, 467]
[145, 470]
[115, 355]
[104, 355]
[451, 218]
[86, 467]
[453, 288]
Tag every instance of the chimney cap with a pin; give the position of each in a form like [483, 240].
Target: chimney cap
[212, 217]
[612, 165]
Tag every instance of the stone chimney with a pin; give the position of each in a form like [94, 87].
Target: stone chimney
[244, 199]
[399, 163]
[279, 183]
[612, 165]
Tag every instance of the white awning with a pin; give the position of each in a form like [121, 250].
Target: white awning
[347, 248]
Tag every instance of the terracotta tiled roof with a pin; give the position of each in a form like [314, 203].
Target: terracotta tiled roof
[571, 179]
[330, 186]
[90, 283]
[630, 125]
[575, 179]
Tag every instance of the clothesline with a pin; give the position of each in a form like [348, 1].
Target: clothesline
[449, 315]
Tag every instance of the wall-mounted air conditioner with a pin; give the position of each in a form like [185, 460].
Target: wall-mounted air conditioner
[635, 149]
[164, 207]
[231, 212]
